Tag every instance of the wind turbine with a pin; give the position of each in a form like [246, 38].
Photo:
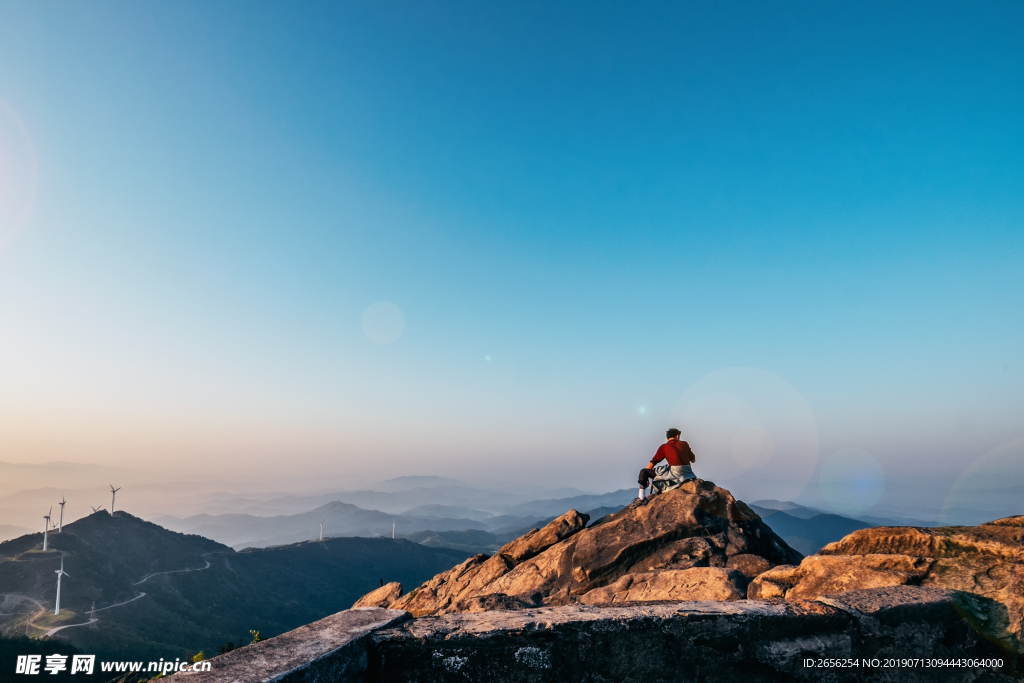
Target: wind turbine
[392, 530]
[46, 527]
[96, 509]
[113, 494]
[60, 572]
[60, 527]
[322, 530]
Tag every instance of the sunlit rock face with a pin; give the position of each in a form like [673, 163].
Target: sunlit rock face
[985, 560]
[695, 583]
[381, 597]
[694, 543]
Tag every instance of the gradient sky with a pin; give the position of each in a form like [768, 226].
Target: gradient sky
[580, 211]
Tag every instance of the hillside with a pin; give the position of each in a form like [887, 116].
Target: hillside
[185, 593]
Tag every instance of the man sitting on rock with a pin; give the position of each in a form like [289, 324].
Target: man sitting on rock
[678, 455]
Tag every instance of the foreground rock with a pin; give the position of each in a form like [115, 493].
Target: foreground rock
[821, 575]
[985, 560]
[633, 555]
[694, 641]
[870, 632]
[331, 649]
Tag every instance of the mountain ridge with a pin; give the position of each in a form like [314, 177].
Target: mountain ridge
[198, 594]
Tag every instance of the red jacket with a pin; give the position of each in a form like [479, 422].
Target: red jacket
[675, 453]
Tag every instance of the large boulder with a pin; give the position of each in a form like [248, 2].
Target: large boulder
[697, 526]
[539, 540]
[476, 576]
[697, 583]
[440, 592]
[821, 575]
[749, 565]
[981, 560]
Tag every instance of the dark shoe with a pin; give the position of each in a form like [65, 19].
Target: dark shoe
[639, 502]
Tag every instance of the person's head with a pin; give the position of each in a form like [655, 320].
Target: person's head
[673, 433]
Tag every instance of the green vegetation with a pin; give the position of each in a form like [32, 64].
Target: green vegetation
[210, 609]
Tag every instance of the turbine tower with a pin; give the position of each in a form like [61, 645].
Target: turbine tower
[113, 494]
[60, 572]
[392, 530]
[60, 527]
[322, 530]
[46, 527]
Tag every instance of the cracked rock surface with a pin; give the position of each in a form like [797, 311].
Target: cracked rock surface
[751, 641]
[985, 560]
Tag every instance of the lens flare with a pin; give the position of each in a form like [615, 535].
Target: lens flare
[992, 487]
[19, 174]
[851, 481]
[751, 430]
[383, 323]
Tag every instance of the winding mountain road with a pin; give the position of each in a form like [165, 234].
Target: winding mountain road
[16, 597]
[173, 571]
[61, 628]
[93, 612]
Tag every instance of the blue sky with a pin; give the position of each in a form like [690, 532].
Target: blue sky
[609, 204]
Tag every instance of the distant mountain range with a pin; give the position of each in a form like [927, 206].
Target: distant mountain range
[87, 486]
[67, 475]
[340, 519]
[806, 529]
[9, 531]
[345, 519]
[439, 525]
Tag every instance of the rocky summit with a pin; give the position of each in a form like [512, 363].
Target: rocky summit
[699, 543]
[694, 543]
